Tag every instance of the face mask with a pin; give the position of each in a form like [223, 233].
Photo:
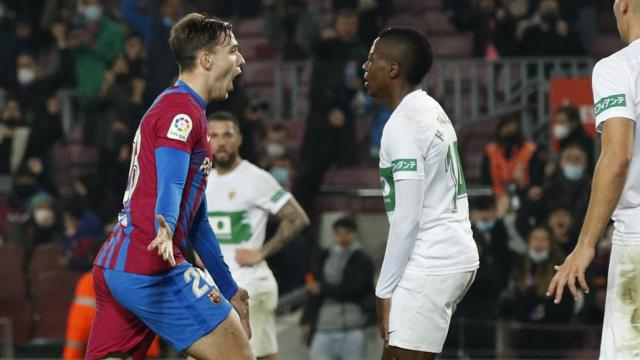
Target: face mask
[561, 131]
[26, 76]
[573, 172]
[510, 139]
[168, 22]
[93, 12]
[275, 150]
[43, 217]
[281, 175]
[484, 225]
[538, 256]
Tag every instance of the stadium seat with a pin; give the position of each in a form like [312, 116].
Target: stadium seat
[44, 260]
[12, 279]
[452, 46]
[52, 296]
[605, 45]
[19, 311]
[437, 23]
[358, 177]
[258, 73]
[248, 28]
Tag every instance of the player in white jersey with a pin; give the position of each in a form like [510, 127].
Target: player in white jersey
[240, 197]
[615, 193]
[431, 257]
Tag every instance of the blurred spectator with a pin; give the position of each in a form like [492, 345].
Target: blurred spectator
[276, 144]
[41, 227]
[493, 29]
[568, 130]
[14, 138]
[15, 38]
[113, 167]
[526, 299]
[512, 159]
[45, 133]
[33, 85]
[569, 185]
[282, 170]
[292, 26]
[329, 131]
[96, 40]
[490, 234]
[372, 16]
[154, 27]
[547, 27]
[562, 227]
[121, 99]
[252, 129]
[82, 229]
[341, 298]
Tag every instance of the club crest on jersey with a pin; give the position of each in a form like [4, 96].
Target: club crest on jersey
[180, 127]
[206, 166]
[215, 297]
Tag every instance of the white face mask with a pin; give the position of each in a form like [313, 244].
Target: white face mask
[26, 76]
[561, 131]
[93, 12]
[43, 217]
[538, 256]
[275, 150]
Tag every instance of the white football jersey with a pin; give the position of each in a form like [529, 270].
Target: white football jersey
[419, 142]
[238, 207]
[616, 93]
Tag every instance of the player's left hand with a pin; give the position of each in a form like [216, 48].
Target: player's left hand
[163, 241]
[573, 267]
[248, 257]
[240, 302]
[383, 306]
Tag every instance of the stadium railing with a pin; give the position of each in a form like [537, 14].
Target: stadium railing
[471, 90]
[6, 338]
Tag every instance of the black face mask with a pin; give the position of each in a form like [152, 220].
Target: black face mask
[549, 18]
[509, 139]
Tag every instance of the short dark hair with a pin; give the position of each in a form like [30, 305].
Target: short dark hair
[571, 112]
[416, 58]
[193, 33]
[225, 116]
[346, 222]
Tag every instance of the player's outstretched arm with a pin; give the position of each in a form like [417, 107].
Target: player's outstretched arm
[608, 182]
[293, 220]
[206, 245]
[402, 237]
[172, 166]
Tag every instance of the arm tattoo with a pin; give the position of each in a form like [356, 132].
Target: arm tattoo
[292, 220]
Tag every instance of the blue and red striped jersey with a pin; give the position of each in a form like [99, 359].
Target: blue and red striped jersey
[176, 120]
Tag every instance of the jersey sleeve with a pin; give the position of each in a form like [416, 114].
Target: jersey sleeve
[177, 127]
[404, 149]
[613, 92]
[269, 194]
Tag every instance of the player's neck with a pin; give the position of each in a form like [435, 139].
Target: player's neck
[634, 35]
[197, 84]
[225, 170]
[398, 93]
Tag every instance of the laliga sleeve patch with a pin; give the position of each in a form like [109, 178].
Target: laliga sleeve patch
[180, 127]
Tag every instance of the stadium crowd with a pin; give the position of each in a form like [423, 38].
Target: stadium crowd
[101, 63]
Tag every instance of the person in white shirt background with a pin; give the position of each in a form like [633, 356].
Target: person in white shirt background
[240, 197]
[431, 258]
[615, 193]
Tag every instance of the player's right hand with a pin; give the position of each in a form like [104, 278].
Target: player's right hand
[574, 267]
[240, 302]
[163, 241]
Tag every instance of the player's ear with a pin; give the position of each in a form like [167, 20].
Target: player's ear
[394, 70]
[206, 60]
[239, 139]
